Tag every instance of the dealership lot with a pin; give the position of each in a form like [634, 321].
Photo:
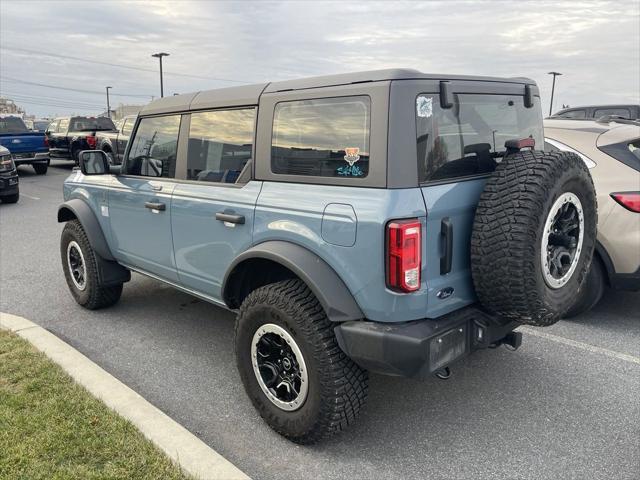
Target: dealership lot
[554, 409]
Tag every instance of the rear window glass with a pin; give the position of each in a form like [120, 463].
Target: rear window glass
[219, 144]
[327, 137]
[85, 124]
[468, 139]
[618, 112]
[12, 125]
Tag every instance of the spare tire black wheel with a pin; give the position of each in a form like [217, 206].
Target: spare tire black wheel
[533, 236]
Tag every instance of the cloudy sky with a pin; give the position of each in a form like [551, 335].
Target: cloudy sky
[81, 47]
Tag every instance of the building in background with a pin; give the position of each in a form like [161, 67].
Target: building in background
[9, 107]
[122, 111]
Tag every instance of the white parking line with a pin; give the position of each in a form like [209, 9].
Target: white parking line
[29, 196]
[583, 346]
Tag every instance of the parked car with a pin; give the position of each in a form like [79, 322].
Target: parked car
[384, 221]
[9, 182]
[26, 147]
[69, 135]
[115, 143]
[612, 153]
[40, 125]
[594, 112]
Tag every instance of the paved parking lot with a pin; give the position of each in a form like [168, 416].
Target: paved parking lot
[553, 409]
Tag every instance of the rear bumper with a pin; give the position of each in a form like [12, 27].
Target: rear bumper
[419, 348]
[30, 158]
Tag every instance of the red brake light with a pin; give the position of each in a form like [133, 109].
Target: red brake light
[91, 141]
[629, 200]
[404, 254]
[46, 141]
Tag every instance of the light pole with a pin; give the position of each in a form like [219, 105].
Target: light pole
[108, 106]
[553, 87]
[159, 56]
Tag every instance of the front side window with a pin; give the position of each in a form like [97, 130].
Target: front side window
[53, 127]
[154, 147]
[327, 137]
[128, 126]
[468, 139]
[574, 114]
[63, 126]
[219, 144]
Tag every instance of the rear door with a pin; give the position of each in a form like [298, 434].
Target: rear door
[212, 211]
[457, 149]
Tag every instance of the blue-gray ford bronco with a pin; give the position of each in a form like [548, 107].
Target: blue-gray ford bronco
[388, 221]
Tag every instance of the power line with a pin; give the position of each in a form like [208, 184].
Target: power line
[17, 80]
[20, 97]
[119, 65]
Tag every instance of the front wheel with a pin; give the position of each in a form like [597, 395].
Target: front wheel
[81, 270]
[291, 366]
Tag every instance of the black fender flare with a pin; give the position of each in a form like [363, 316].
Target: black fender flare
[77, 208]
[322, 280]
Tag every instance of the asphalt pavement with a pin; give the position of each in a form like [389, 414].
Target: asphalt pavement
[566, 405]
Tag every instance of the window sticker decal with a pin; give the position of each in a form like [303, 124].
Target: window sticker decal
[351, 157]
[424, 107]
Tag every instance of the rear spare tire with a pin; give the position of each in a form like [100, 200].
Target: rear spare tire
[533, 236]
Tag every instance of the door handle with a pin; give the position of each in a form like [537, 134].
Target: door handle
[155, 206]
[446, 232]
[230, 218]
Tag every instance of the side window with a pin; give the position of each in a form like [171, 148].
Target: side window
[620, 112]
[574, 114]
[128, 126]
[63, 126]
[219, 144]
[327, 137]
[53, 127]
[154, 147]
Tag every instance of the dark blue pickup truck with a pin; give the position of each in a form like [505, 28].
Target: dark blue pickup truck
[26, 146]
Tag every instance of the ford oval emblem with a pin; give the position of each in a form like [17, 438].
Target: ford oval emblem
[16, 140]
[445, 293]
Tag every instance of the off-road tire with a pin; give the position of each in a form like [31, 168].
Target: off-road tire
[11, 198]
[507, 234]
[40, 168]
[591, 292]
[337, 386]
[94, 296]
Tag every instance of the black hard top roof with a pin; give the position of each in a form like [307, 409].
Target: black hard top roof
[250, 94]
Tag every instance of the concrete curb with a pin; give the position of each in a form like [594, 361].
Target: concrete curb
[194, 456]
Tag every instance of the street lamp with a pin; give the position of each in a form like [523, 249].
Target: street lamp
[108, 106]
[553, 87]
[159, 56]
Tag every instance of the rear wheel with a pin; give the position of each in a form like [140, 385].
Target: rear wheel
[40, 168]
[533, 236]
[81, 270]
[591, 292]
[291, 366]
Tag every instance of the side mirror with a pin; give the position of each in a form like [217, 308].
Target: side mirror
[94, 162]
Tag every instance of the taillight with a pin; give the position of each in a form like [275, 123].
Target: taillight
[404, 254]
[629, 200]
[46, 141]
[91, 141]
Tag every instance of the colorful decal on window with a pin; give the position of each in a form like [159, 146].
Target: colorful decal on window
[424, 107]
[351, 157]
